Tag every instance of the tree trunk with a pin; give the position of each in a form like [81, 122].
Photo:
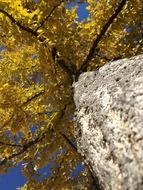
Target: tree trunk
[109, 123]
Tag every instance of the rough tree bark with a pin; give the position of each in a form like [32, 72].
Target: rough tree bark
[109, 123]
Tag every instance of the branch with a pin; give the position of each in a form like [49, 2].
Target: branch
[7, 121]
[9, 144]
[50, 13]
[69, 141]
[62, 63]
[23, 104]
[95, 181]
[25, 147]
[35, 141]
[92, 50]
[22, 27]
[68, 69]
[33, 97]
[29, 30]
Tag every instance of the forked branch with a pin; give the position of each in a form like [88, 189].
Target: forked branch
[42, 39]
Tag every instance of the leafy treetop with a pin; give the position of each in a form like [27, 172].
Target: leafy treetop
[44, 48]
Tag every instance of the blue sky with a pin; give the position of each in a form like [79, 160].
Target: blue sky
[14, 178]
[82, 12]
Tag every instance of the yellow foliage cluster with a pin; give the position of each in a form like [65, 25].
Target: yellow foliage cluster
[43, 48]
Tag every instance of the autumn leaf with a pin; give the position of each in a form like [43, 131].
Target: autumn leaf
[44, 48]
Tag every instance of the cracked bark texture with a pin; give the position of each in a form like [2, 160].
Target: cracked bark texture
[109, 123]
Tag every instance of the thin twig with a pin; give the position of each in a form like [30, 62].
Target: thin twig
[38, 139]
[49, 15]
[9, 144]
[23, 104]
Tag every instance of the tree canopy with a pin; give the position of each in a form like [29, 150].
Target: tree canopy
[43, 51]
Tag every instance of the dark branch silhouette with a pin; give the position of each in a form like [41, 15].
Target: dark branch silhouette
[49, 15]
[42, 39]
[92, 50]
[68, 69]
[9, 144]
[27, 29]
[7, 121]
[38, 139]
[25, 147]
[69, 141]
[33, 97]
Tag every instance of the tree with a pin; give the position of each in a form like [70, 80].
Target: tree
[44, 49]
[109, 123]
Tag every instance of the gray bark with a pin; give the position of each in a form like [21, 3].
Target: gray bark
[109, 123]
